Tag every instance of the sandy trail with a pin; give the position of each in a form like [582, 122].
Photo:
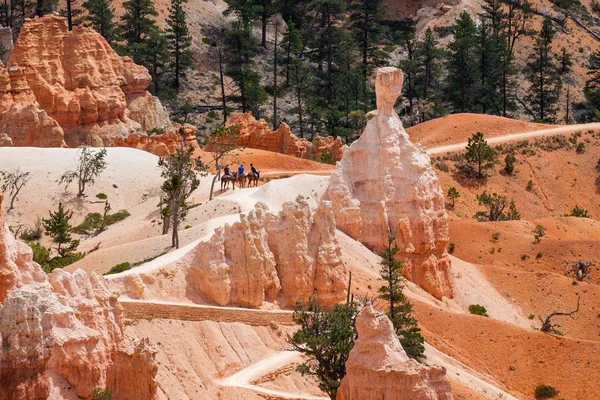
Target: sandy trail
[255, 371]
[561, 130]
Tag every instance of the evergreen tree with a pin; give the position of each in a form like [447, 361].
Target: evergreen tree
[429, 55]
[265, 10]
[240, 49]
[366, 24]
[399, 307]
[245, 11]
[462, 64]
[73, 15]
[100, 16]
[42, 7]
[292, 44]
[410, 65]
[179, 39]
[327, 338]
[545, 86]
[592, 85]
[136, 26]
[59, 228]
[489, 44]
[479, 154]
[156, 58]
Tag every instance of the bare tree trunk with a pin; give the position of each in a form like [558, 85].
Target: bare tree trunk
[275, 81]
[222, 85]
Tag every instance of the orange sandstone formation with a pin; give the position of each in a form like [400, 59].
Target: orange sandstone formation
[378, 367]
[256, 134]
[386, 185]
[64, 333]
[72, 87]
[263, 258]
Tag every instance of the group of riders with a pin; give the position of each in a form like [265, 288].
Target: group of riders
[252, 176]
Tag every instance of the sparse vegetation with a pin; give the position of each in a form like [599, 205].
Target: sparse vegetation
[59, 228]
[478, 310]
[100, 394]
[453, 194]
[580, 148]
[578, 212]
[119, 268]
[545, 392]
[12, 183]
[451, 247]
[88, 167]
[496, 204]
[509, 164]
[102, 196]
[94, 222]
[495, 236]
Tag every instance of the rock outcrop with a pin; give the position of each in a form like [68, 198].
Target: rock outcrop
[72, 88]
[386, 185]
[378, 367]
[273, 258]
[265, 259]
[255, 134]
[66, 326]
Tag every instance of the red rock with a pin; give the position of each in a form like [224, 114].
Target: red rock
[256, 134]
[378, 367]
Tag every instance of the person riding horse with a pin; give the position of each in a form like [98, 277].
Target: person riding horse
[199, 164]
[254, 171]
[241, 170]
[227, 171]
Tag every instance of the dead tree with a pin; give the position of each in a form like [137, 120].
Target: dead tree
[548, 326]
[582, 269]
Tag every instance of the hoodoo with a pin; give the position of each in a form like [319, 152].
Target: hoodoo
[386, 185]
[378, 367]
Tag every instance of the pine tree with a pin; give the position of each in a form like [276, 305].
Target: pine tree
[541, 73]
[136, 26]
[73, 15]
[479, 154]
[292, 44]
[462, 65]
[156, 58]
[366, 23]
[58, 227]
[429, 56]
[179, 39]
[399, 307]
[592, 85]
[100, 16]
[410, 65]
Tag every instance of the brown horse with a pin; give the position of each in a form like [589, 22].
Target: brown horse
[252, 177]
[240, 179]
[225, 179]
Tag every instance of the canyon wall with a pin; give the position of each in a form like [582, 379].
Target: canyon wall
[386, 185]
[62, 335]
[255, 134]
[64, 88]
[378, 367]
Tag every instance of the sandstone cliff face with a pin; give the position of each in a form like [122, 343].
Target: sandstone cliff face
[265, 259]
[89, 95]
[384, 184]
[378, 368]
[272, 258]
[256, 134]
[68, 326]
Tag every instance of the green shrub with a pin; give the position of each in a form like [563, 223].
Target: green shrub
[531, 316]
[478, 310]
[61, 262]
[496, 236]
[99, 394]
[206, 40]
[117, 217]
[35, 233]
[578, 212]
[102, 196]
[93, 221]
[212, 114]
[545, 392]
[326, 156]
[119, 268]
[580, 148]
[41, 254]
[451, 247]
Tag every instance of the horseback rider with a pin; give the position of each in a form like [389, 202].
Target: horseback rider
[226, 171]
[199, 163]
[254, 171]
[241, 170]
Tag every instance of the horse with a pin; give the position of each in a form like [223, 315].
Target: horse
[240, 179]
[225, 179]
[252, 177]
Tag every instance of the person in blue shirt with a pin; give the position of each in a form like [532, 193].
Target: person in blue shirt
[241, 170]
